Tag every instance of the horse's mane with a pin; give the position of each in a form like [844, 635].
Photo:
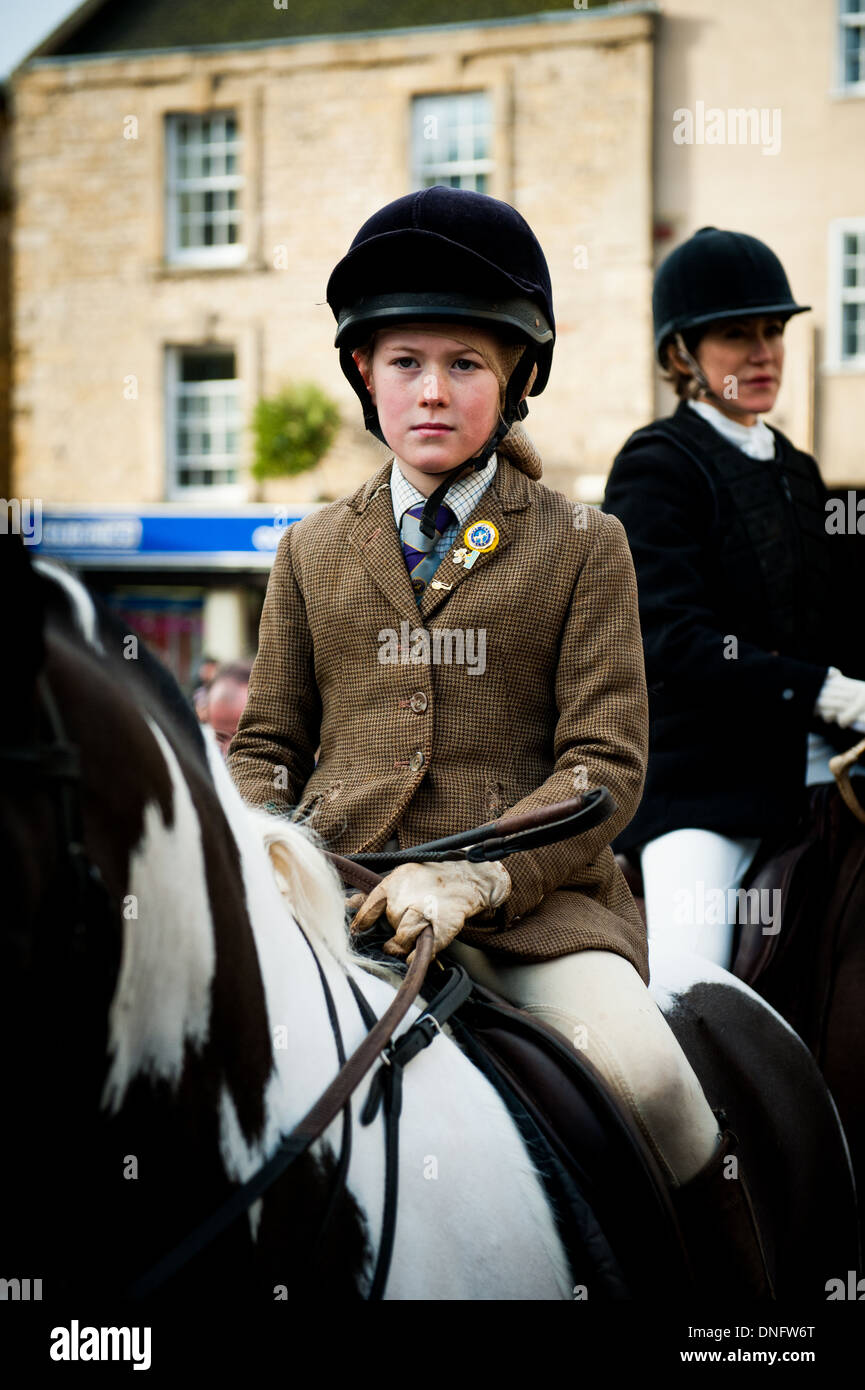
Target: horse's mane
[308, 882]
[68, 600]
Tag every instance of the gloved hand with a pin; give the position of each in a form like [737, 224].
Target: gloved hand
[441, 895]
[841, 700]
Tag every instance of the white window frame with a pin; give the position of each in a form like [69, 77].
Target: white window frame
[465, 165]
[839, 295]
[175, 254]
[845, 22]
[200, 492]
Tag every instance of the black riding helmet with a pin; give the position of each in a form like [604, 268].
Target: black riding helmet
[446, 255]
[717, 275]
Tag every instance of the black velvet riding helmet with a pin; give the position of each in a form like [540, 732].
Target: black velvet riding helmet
[447, 255]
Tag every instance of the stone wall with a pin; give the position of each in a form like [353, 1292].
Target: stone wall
[773, 57]
[326, 141]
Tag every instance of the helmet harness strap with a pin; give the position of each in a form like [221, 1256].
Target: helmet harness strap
[690, 360]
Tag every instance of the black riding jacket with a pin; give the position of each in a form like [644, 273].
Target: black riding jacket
[745, 601]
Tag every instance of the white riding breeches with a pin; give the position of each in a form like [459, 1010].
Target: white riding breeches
[691, 878]
[598, 1002]
[690, 882]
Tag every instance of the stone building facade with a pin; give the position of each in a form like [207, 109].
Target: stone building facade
[5, 297]
[183, 181]
[323, 136]
[789, 167]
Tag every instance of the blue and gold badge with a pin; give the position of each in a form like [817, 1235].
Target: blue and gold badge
[482, 536]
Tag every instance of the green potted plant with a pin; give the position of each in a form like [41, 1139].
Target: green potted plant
[293, 430]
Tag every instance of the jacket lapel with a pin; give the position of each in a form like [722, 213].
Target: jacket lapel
[375, 542]
[452, 575]
[508, 492]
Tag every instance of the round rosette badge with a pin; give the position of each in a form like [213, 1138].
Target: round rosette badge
[482, 536]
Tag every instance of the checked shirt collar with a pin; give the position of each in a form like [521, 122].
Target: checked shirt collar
[462, 499]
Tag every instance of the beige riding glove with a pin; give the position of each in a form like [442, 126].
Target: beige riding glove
[441, 895]
[841, 700]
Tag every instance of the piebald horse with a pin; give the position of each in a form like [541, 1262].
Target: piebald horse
[163, 1025]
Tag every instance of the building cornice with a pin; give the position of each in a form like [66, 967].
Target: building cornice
[623, 10]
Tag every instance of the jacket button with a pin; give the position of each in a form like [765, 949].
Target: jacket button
[419, 702]
[787, 694]
[416, 761]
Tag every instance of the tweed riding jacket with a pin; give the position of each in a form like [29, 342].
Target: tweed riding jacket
[420, 737]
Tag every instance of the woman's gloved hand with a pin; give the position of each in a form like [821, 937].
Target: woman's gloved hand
[841, 700]
[441, 895]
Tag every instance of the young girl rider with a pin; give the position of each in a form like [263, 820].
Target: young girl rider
[753, 663]
[445, 323]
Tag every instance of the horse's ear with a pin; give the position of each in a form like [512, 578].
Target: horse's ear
[23, 620]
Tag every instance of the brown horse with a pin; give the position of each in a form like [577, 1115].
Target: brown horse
[812, 969]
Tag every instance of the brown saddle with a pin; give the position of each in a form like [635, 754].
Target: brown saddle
[611, 1202]
[584, 1145]
[812, 970]
[613, 1207]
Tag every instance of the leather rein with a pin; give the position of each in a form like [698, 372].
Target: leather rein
[508, 835]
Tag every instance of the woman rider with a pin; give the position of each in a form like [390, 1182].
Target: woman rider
[753, 664]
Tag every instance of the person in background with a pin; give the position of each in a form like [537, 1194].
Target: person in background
[754, 657]
[207, 668]
[225, 701]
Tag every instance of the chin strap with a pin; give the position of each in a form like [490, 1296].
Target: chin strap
[514, 409]
[690, 360]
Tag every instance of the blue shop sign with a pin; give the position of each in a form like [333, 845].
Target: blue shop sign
[245, 538]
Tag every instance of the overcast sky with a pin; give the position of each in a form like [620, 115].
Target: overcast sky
[23, 25]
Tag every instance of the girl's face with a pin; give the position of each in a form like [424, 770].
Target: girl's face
[743, 361]
[437, 399]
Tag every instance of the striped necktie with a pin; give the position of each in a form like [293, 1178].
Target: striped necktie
[418, 548]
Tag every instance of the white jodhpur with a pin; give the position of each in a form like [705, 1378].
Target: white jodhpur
[691, 880]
